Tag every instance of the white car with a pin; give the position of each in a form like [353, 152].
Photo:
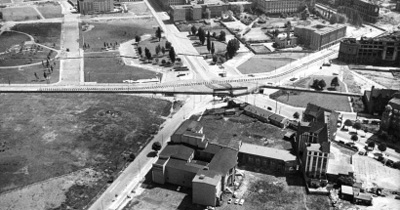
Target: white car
[229, 200]
[237, 201]
[241, 202]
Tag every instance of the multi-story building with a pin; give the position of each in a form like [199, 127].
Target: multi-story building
[167, 3]
[185, 12]
[368, 10]
[391, 117]
[278, 6]
[381, 51]
[319, 36]
[376, 100]
[87, 7]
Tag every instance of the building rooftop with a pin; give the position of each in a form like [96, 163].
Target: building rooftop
[184, 166]
[188, 125]
[207, 177]
[267, 152]
[223, 161]
[277, 118]
[348, 190]
[320, 147]
[314, 110]
[395, 103]
[258, 111]
[339, 168]
[177, 151]
[321, 28]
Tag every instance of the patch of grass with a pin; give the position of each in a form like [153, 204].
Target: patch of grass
[139, 9]
[50, 9]
[48, 34]
[151, 44]
[19, 14]
[260, 49]
[55, 134]
[9, 38]
[220, 47]
[26, 75]
[116, 31]
[260, 65]
[5, 1]
[316, 202]
[109, 68]
[300, 99]
[29, 56]
[212, 27]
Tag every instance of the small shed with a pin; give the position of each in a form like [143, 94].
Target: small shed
[346, 192]
[363, 198]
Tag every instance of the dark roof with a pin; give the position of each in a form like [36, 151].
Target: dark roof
[207, 177]
[277, 118]
[267, 152]
[183, 165]
[385, 93]
[395, 103]
[314, 110]
[258, 111]
[363, 196]
[312, 127]
[188, 125]
[212, 149]
[223, 161]
[178, 151]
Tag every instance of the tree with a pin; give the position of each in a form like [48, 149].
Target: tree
[341, 18]
[222, 36]
[315, 83]
[137, 38]
[163, 50]
[321, 84]
[232, 47]
[172, 54]
[348, 123]
[168, 45]
[208, 42]
[158, 49]
[275, 45]
[212, 48]
[335, 82]
[194, 30]
[156, 146]
[202, 35]
[371, 144]
[214, 58]
[158, 33]
[241, 9]
[382, 147]
[384, 136]
[147, 53]
[139, 49]
[333, 19]
[275, 33]
[357, 126]
[354, 137]
[296, 115]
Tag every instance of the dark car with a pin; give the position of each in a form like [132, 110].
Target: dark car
[354, 148]
[293, 79]
[269, 108]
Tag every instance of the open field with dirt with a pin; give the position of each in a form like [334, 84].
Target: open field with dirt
[113, 31]
[138, 8]
[257, 34]
[50, 9]
[48, 34]
[19, 14]
[300, 99]
[386, 79]
[50, 135]
[9, 38]
[244, 128]
[26, 75]
[109, 68]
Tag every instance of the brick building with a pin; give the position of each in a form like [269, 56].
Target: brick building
[380, 51]
[167, 3]
[87, 7]
[185, 12]
[368, 10]
[319, 36]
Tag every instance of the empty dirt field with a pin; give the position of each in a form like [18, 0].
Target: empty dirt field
[44, 136]
[50, 9]
[115, 31]
[387, 79]
[48, 34]
[109, 68]
[138, 8]
[19, 14]
[300, 99]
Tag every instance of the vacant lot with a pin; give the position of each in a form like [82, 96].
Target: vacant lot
[243, 128]
[26, 75]
[19, 14]
[263, 64]
[138, 8]
[256, 34]
[116, 31]
[386, 79]
[50, 9]
[109, 68]
[54, 134]
[8, 39]
[300, 99]
[44, 33]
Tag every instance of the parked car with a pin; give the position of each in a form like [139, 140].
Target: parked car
[269, 108]
[397, 197]
[178, 189]
[341, 142]
[354, 148]
[237, 201]
[350, 144]
[229, 200]
[293, 79]
[241, 202]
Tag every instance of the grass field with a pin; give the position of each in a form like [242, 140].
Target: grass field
[50, 10]
[300, 99]
[244, 128]
[25, 57]
[19, 14]
[48, 34]
[5, 1]
[54, 134]
[26, 75]
[261, 65]
[109, 68]
[151, 44]
[138, 9]
[256, 34]
[220, 47]
[8, 39]
[116, 31]
[260, 48]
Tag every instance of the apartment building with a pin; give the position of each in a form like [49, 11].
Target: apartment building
[368, 10]
[167, 3]
[318, 37]
[380, 51]
[185, 12]
[88, 7]
[277, 6]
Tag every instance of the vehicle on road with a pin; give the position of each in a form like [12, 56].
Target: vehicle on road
[229, 200]
[293, 79]
[269, 108]
[237, 201]
[178, 189]
[241, 202]
[350, 144]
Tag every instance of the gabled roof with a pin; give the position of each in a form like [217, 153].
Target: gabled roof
[268, 152]
[223, 161]
[277, 118]
[188, 125]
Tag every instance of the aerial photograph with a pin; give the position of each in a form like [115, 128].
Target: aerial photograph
[199, 104]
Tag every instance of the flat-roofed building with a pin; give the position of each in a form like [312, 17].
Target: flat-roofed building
[87, 7]
[319, 36]
[280, 6]
[167, 3]
[368, 10]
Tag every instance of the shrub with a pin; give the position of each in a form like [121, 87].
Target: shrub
[354, 137]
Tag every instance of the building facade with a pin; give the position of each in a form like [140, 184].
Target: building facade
[391, 117]
[368, 10]
[167, 3]
[280, 6]
[380, 51]
[319, 36]
[88, 7]
[376, 100]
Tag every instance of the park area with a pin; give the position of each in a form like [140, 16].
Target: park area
[108, 67]
[213, 26]
[220, 47]
[99, 33]
[269, 62]
[26, 75]
[52, 135]
[138, 8]
[301, 99]
[49, 9]
[48, 34]
[25, 55]
[19, 14]
[10, 38]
